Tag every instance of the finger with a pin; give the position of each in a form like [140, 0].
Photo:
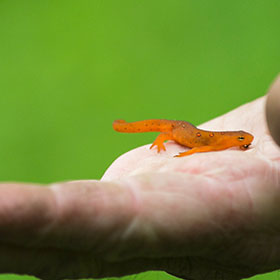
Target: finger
[67, 230]
[71, 215]
[273, 110]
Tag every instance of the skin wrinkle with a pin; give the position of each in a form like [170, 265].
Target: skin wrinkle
[99, 202]
[137, 207]
[66, 217]
[137, 220]
[75, 216]
[53, 222]
[146, 217]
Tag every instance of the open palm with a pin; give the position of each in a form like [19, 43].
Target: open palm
[218, 213]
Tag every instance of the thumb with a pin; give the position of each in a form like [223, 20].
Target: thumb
[273, 110]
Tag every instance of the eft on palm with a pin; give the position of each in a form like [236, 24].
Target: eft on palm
[187, 135]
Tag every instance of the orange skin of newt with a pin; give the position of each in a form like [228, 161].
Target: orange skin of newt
[187, 135]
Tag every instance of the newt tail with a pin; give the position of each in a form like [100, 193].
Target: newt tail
[144, 126]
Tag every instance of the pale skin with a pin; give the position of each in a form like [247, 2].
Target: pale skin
[212, 215]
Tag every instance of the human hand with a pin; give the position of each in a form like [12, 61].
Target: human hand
[233, 197]
[206, 216]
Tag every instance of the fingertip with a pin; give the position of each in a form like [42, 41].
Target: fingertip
[273, 110]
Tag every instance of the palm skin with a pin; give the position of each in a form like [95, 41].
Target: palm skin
[206, 216]
[217, 211]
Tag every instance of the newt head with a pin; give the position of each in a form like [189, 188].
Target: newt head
[228, 139]
[245, 139]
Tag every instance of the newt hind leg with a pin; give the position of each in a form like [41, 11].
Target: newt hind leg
[159, 142]
[197, 150]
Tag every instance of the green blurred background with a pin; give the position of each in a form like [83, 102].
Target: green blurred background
[69, 68]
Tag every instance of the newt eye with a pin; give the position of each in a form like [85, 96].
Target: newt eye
[241, 138]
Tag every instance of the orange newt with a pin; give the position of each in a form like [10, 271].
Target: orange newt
[187, 135]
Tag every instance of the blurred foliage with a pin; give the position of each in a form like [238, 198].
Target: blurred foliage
[69, 68]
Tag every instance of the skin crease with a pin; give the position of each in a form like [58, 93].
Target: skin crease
[208, 216]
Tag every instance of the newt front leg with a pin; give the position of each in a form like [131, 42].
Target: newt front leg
[159, 142]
